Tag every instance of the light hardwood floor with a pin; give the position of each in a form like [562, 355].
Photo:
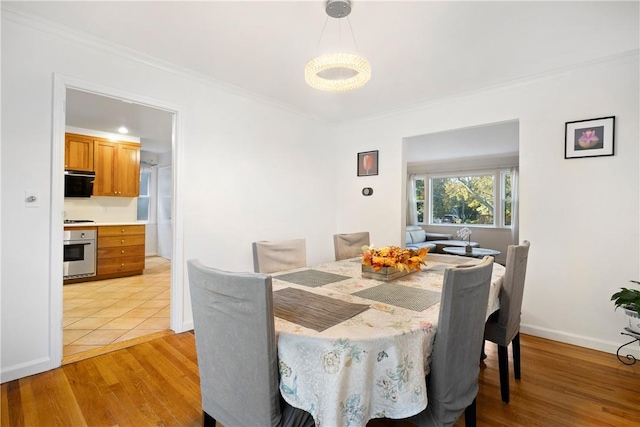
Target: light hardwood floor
[157, 383]
[106, 314]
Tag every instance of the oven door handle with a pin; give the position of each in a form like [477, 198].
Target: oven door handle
[77, 243]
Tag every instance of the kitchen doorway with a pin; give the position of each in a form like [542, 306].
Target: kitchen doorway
[159, 276]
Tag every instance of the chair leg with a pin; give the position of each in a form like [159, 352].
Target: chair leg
[208, 420]
[515, 347]
[483, 355]
[503, 364]
[470, 414]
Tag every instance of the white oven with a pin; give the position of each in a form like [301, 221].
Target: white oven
[79, 253]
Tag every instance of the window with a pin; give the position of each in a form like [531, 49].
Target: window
[505, 198]
[143, 199]
[465, 199]
[420, 202]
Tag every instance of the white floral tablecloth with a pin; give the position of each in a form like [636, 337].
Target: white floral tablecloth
[372, 365]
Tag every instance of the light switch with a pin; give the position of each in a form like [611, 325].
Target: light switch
[31, 199]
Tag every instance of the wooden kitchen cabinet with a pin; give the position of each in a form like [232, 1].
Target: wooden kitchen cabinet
[117, 167]
[78, 152]
[121, 250]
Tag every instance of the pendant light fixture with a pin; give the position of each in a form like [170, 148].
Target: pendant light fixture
[337, 72]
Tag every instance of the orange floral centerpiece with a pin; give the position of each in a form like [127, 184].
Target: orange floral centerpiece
[390, 262]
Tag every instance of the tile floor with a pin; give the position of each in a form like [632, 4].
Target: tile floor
[110, 311]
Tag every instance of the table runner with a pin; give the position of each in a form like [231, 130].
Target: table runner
[311, 310]
[401, 296]
[311, 278]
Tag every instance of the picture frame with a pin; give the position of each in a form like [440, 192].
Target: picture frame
[367, 163]
[589, 138]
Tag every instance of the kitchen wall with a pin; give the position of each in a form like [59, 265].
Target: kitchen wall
[250, 170]
[581, 215]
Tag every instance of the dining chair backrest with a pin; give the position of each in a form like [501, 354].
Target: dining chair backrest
[511, 294]
[272, 256]
[350, 245]
[453, 379]
[235, 344]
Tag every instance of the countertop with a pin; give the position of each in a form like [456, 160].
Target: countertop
[99, 224]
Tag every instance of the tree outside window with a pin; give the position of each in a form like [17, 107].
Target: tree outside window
[463, 199]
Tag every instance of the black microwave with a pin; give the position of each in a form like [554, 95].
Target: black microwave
[78, 183]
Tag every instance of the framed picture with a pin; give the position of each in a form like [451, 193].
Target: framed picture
[589, 138]
[368, 163]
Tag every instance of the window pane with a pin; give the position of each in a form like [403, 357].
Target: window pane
[420, 211]
[507, 213]
[143, 209]
[463, 199]
[144, 183]
[420, 189]
[507, 186]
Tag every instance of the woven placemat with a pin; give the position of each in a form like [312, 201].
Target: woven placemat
[311, 310]
[311, 278]
[401, 296]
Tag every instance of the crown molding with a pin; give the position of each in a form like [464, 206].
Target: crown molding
[89, 40]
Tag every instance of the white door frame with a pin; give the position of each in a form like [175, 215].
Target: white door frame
[60, 84]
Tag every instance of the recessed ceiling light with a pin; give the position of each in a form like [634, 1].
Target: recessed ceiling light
[123, 129]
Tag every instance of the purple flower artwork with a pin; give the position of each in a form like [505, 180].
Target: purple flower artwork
[588, 139]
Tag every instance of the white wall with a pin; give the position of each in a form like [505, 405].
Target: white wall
[479, 141]
[232, 144]
[581, 215]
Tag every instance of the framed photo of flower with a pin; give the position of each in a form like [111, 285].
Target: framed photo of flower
[368, 163]
[589, 138]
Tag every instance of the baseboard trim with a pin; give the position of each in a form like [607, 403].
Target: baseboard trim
[25, 369]
[575, 339]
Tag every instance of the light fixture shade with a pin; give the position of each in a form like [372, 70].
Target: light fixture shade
[336, 61]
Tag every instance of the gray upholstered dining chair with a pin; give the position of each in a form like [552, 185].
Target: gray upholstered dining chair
[236, 348]
[452, 384]
[349, 245]
[272, 256]
[503, 326]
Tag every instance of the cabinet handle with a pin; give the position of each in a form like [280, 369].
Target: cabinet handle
[122, 265]
[122, 241]
[122, 252]
[122, 231]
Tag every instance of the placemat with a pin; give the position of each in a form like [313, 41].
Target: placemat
[401, 296]
[311, 310]
[311, 278]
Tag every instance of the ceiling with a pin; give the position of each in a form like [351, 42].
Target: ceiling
[89, 111]
[419, 51]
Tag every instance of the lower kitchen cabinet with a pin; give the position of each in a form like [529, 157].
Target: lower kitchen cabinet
[120, 250]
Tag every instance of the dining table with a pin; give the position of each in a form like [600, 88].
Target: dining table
[351, 348]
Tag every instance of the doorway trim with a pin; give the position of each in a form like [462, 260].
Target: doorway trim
[60, 85]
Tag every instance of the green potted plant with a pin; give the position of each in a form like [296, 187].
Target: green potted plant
[629, 300]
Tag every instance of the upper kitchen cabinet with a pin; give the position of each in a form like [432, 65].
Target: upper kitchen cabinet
[117, 167]
[78, 152]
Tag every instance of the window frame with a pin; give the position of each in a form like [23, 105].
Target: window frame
[499, 198]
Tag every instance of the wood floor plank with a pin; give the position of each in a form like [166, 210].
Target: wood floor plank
[157, 383]
[88, 395]
[12, 398]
